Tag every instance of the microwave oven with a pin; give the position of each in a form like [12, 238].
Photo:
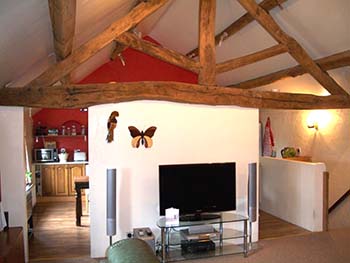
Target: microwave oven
[45, 155]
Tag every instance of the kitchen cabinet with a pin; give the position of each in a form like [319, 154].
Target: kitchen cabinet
[74, 171]
[48, 180]
[58, 179]
[61, 180]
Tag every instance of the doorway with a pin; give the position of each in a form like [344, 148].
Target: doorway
[55, 235]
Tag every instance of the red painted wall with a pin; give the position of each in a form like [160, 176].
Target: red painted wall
[139, 67]
[55, 118]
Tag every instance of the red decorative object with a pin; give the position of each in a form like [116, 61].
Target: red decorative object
[269, 142]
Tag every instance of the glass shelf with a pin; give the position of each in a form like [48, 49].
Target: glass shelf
[176, 254]
[175, 240]
[176, 236]
[224, 218]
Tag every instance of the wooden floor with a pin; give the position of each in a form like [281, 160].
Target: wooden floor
[273, 227]
[56, 238]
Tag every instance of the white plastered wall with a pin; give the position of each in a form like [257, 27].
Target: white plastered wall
[185, 133]
[12, 167]
[330, 144]
[293, 191]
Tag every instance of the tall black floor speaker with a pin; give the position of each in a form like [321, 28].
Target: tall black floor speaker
[252, 189]
[111, 202]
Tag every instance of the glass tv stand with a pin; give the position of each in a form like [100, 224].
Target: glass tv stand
[176, 242]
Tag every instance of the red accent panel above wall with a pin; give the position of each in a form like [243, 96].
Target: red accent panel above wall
[139, 67]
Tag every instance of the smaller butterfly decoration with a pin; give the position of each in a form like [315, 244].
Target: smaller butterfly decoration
[145, 138]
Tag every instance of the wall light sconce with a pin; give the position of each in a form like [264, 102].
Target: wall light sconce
[313, 125]
[320, 120]
[312, 121]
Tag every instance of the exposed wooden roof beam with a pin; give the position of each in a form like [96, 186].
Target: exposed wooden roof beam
[77, 96]
[295, 50]
[84, 52]
[239, 24]
[207, 9]
[338, 60]
[62, 14]
[119, 48]
[251, 58]
[167, 55]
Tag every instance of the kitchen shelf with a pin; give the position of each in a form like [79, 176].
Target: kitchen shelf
[59, 136]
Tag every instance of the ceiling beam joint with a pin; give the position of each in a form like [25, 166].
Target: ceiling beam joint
[239, 24]
[294, 48]
[90, 48]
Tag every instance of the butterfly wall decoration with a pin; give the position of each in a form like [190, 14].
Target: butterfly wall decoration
[145, 138]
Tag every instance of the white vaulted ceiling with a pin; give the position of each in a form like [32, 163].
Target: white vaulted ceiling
[26, 37]
[322, 27]
[26, 45]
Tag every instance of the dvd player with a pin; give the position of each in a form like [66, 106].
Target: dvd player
[193, 246]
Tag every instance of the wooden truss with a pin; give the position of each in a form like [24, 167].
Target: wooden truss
[41, 93]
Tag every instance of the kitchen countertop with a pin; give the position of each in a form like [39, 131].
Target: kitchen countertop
[59, 163]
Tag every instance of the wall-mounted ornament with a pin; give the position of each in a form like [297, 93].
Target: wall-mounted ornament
[111, 125]
[145, 138]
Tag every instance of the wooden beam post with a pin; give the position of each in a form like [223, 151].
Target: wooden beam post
[338, 60]
[84, 52]
[207, 58]
[239, 24]
[62, 14]
[167, 55]
[251, 58]
[325, 201]
[78, 96]
[295, 49]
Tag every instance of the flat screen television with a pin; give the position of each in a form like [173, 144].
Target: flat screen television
[198, 190]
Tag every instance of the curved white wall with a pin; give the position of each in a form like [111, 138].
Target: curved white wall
[185, 133]
[293, 191]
